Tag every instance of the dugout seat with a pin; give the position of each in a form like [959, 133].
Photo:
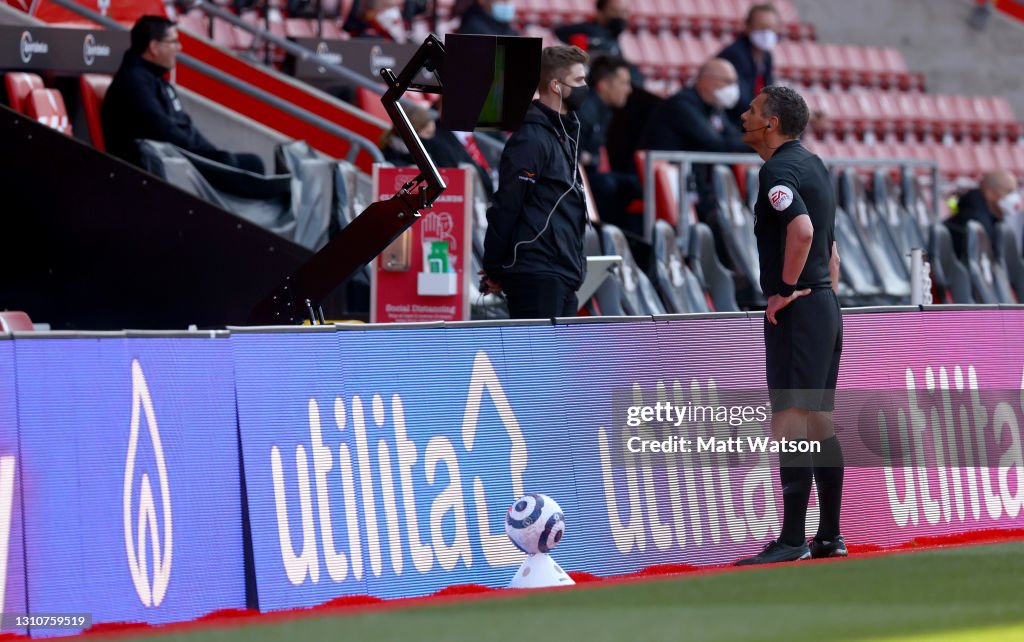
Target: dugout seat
[47, 107]
[678, 286]
[714, 277]
[93, 89]
[19, 85]
[891, 266]
[734, 224]
[638, 295]
[903, 227]
[1012, 260]
[950, 278]
[607, 301]
[988, 276]
[15, 321]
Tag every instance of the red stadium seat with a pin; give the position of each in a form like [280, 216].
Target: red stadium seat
[370, 102]
[93, 88]
[47, 107]
[195, 22]
[300, 28]
[224, 34]
[19, 86]
[1004, 116]
[15, 321]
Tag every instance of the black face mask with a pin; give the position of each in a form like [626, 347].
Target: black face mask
[615, 26]
[576, 97]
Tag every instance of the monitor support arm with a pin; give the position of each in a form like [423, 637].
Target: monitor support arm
[378, 225]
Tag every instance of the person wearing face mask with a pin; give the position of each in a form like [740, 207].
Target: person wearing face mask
[693, 120]
[489, 18]
[995, 199]
[533, 250]
[600, 35]
[751, 55]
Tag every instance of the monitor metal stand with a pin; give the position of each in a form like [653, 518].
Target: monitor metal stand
[378, 225]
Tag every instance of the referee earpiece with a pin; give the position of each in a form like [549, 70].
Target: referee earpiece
[768, 126]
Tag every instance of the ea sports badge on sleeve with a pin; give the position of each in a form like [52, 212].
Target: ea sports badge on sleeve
[535, 524]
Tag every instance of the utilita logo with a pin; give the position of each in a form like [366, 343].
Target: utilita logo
[29, 47]
[141, 522]
[90, 50]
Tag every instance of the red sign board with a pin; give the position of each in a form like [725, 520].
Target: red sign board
[422, 275]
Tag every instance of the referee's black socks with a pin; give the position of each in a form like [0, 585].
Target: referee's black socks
[795, 474]
[828, 475]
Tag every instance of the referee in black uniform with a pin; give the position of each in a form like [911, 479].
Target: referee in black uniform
[803, 329]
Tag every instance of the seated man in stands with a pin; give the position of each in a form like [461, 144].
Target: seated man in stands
[751, 55]
[489, 18]
[694, 120]
[995, 199]
[600, 35]
[613, 191]
[141, 104]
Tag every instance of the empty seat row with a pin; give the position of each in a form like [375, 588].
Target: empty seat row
[27, 95]
[817, 63]
[699, 17]
[665, 54]
[925, 115]
[963, 160]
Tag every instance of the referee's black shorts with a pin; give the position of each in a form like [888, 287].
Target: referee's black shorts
[802, 352]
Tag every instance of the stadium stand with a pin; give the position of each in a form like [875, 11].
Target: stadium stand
[868, 103]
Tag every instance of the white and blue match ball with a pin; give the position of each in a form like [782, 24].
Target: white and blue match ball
[535, 524]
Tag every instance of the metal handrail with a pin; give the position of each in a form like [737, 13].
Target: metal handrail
[358, 142]
[686, 160]
[305, 54]
[300, 52]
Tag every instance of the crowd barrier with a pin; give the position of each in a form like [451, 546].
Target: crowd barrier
[159, 477]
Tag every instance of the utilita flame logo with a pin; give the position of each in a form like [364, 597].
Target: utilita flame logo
[144, 534]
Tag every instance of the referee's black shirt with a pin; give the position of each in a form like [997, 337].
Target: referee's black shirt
[793, 182]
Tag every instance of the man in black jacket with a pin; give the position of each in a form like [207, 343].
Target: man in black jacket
[140, 104]
[600, 35]
[693, 120]
[993, 200]
[751, 55]
[533, 250]
[489, 18]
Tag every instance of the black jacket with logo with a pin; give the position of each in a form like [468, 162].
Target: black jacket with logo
[140, 104]
[539, 189]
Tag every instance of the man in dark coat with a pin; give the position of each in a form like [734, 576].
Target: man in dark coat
[994, 199]
[141, 104]
[489, 18]
[533, 250]
[751, 55]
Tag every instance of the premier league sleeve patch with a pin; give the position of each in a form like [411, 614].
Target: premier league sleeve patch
[780, 197]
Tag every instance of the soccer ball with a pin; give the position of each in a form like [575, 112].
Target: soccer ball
[535, 524]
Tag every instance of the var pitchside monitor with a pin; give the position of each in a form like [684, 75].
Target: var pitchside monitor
[488, 81]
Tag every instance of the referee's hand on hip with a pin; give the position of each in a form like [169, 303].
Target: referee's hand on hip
[777, 302]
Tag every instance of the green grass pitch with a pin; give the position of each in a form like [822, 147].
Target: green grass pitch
[962, 593]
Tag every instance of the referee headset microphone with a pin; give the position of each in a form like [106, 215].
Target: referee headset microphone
[572, 184]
